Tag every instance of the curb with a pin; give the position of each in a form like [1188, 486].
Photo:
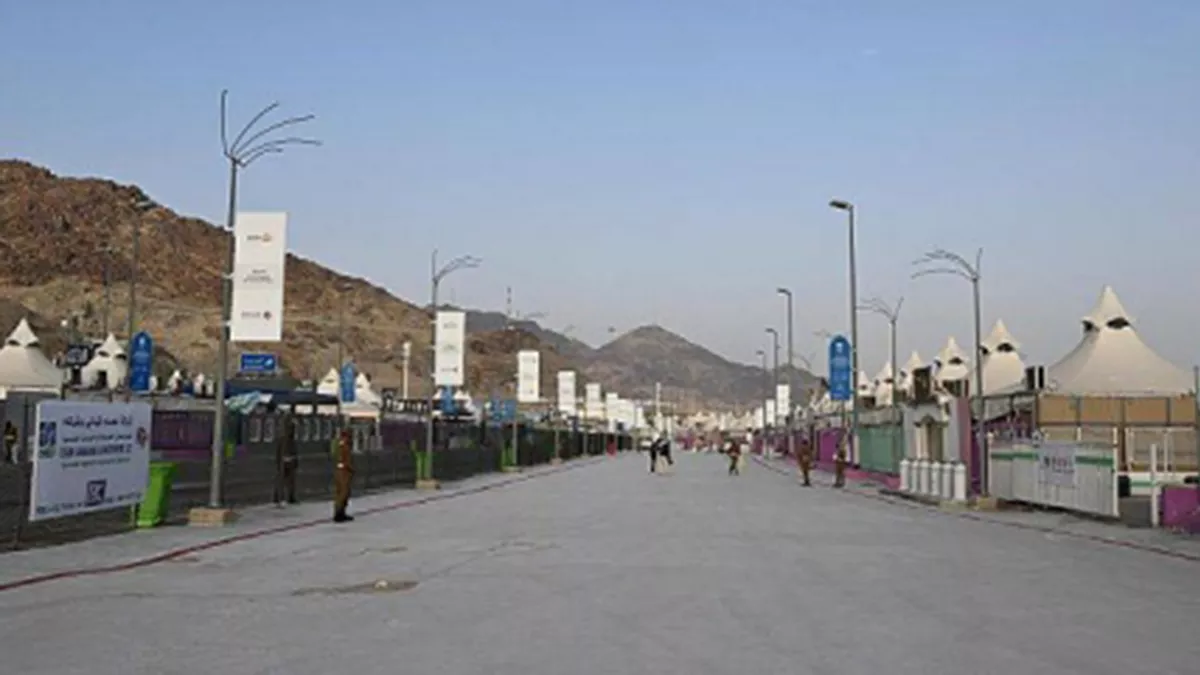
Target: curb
[889, 496]
[172, 554]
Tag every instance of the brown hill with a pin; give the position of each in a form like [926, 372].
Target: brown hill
[53, 235]
[691, 376]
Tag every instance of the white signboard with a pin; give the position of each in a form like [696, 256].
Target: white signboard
[260, 251]
[451, 333]
[88, 457]
[1056, 463]
[611, 401]
[529, 376]
[566, 392]
[592, 404]
[770, 413]
[783, 399]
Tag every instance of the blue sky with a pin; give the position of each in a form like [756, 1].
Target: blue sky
[626, 162]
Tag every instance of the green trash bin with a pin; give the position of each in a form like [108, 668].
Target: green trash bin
[153, 509]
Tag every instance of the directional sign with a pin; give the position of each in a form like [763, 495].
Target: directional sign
[346, 382]
[258, 362]
[141, 362]
[447, 401]
[79, 355]
[841, 381]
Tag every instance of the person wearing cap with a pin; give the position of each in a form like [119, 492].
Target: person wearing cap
[343, 475]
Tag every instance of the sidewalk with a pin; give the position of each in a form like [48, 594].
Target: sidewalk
[140, 548]
[1052, 523]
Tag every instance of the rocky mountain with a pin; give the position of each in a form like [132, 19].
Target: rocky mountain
[691, 376]
[59, 236]
[480, 321]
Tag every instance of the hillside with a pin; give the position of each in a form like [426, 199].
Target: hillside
[53, 234]
[691, 376]
[479, 321]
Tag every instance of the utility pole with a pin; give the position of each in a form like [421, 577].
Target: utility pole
[246, 148]
[850, 210]
[773, 388]
[435, 279]
[791, 423]
[892, 314]
[405, 356]
[341, 350]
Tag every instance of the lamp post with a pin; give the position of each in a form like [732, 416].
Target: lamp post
[436, 274]
[405, 356]
[791, 363]
[245, 149]
[941, 261]
[773, 388]
[763, 354]
[892, 314]
[849, 209]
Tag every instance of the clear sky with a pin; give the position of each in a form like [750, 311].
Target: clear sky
[633, 161]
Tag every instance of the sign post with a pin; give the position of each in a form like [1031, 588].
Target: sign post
[346, 382]
[258, 363]
[841, 379]
[141, 363]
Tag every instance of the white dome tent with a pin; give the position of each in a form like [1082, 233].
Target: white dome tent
[905, 381]
[1112, 360]
[1002, 364]
[23, 366]
[883, 385]
[952, 363]
[864, 384]
[110, 359]
[363, 390]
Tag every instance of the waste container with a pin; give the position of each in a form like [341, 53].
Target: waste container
[153, 509]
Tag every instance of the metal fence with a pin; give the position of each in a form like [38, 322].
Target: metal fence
[385, 457]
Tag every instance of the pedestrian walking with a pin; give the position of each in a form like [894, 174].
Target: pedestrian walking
[805, 461]
[654, 456]
[287, 461]
[735, 457]
[665, 451]
[343, 475]
[839, 465]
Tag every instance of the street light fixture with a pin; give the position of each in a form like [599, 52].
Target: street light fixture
[941, 261]
[791, 363]
[892, 314]
[247, 147]
[850, 210]
[763, 354]
[436, 274]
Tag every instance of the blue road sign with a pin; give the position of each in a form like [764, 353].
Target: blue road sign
[841, 379]
[258, 362]
[141, 362]
[447, 401]
[346, 382]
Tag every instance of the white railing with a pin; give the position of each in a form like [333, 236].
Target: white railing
[931, 478]
[1064, 475]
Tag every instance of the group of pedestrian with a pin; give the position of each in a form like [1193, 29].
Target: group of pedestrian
[287, 464]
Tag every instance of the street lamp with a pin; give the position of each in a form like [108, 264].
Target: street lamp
[245, 149]
[763, 354]
[791, 362]
[941, 261]
[842, 205]
[892, 314]
[436, 274]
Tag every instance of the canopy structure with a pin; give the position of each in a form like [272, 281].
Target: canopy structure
[883, 385]
[110, 359]
[23, 366]
[363, 390]
[904, 382]
[864, 384]
[1112, 360]
[1002, 364]
[952, 362]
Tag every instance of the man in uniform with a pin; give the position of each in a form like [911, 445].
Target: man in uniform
[805, 461]
[343, 474]
[839, 463]
[10, 442]
[286, 462]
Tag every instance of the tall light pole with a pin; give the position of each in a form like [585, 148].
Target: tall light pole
[941, 261]
[842, 205]
[141, 206]
[773, 389]
[246, 148]
[791, 363]
[892, 314]
[436, 274]
[766, 375]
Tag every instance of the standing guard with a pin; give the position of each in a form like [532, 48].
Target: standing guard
[343, 475]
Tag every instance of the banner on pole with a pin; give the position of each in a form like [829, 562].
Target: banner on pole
[566, 393]
[783, 399]
[260, 253]
[528, 376]
[593, 406]
[448, 366]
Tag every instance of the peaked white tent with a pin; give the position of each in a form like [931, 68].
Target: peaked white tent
[109, 359]
[904, 382]
[23, 366]
[952, 362]
[1112, 360]
[883, 384]
[1002, 364]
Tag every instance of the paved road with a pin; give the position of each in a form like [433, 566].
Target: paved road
[605, 569]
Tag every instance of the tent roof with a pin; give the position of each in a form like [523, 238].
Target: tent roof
[914, 361]
[951, 352]
[27, 366]
[1107, 308]
[110, 348]
[22, 335]
[1000, 336]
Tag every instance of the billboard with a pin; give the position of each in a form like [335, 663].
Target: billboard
[451, 333]
[89, 457]
[528, 376]
[593, 406]
[260, 251]
[783, 400]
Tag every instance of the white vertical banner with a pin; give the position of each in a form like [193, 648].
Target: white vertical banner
[783, 400]
[593, 406]
[611, 400]
[529, 374]
[450, 334]
[770, 412]
[566, 393]
[259, 256]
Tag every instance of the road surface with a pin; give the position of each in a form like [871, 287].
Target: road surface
[604, 569]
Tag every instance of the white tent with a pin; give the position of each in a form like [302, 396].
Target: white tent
[363, 391]
[864, 384]
[23, 366]
[109, 359]
[952, 362]
[1112, 360]
[882, 386]
[1002, 364]
[905, 380]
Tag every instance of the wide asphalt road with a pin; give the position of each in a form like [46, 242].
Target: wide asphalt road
[605, 569]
